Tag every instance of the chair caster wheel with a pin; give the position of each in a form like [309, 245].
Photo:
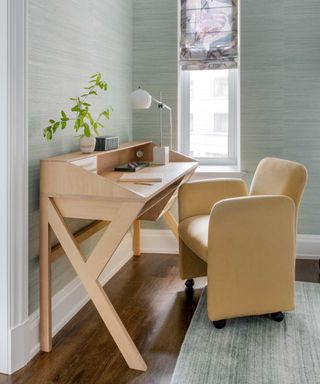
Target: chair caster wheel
[189, 284]
[219, 324]
[189, 288]
[277, 316]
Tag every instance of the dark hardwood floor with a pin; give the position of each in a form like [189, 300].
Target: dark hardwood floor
[149, 297]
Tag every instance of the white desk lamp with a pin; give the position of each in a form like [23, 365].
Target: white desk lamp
[141, 99]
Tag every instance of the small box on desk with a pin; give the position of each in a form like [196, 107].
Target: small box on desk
[106, 143]
[161, 155]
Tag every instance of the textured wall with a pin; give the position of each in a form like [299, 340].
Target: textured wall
[155, 63]
[155, 68]
[68, 41]
[280, 83]
[280, 89]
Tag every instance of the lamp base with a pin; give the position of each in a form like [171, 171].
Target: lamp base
[161, 155]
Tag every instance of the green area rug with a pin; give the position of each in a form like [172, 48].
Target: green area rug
[254, 350]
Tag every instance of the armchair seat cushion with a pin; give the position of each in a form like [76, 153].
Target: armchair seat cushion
[193, 231]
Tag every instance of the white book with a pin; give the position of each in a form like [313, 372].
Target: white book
[135, 177]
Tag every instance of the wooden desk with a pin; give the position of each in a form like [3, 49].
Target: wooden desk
[84, 186]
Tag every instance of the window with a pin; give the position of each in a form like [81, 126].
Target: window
[209, 115]
[220, 122]
[209, 62]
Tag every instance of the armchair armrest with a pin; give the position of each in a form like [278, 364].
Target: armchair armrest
[251, 249]
[198, 197]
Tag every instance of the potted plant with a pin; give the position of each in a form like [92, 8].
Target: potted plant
[83, 122]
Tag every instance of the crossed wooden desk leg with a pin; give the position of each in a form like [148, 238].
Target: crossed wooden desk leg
[136, 247]
[88, 271]
[168, 218]
[171, 223]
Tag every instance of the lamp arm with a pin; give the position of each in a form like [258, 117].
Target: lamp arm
[170, 113]
[161, 104]
[164, 106]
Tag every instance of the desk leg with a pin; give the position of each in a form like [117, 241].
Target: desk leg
[136, 238]
[172, 224]
[45, 278]
[91, 268]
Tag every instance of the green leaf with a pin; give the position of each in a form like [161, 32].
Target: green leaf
[48, 133]
[92, 92]
[55, 126]
[63, 114]
[87, 130]
[76, 108]
[87, 104]
[90, 118]
[106, 114]
[51, 121]
[101, 125]
[63, 124]
[72, 98]
[45, 131]
[94, 75]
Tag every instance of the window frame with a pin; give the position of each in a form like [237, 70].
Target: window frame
[233, 127]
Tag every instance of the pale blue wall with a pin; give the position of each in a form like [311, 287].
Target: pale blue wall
[68, 41]
[155, 64]
[280, 82]
[155, 68]
[280, 91]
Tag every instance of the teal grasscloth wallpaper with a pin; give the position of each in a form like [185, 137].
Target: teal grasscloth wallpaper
[279, 76]
[67, 42]
[155, 68]
[280, 89]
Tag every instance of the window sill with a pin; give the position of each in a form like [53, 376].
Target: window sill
[217, 171]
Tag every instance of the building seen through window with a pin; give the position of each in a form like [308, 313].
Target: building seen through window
[209, 110]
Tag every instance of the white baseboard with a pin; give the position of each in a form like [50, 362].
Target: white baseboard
[308, 247]
[158, 241]
[65, 304]
[163, 241]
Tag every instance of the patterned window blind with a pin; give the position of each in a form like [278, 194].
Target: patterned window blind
[209, 34]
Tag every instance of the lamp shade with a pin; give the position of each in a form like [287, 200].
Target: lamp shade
[140, 99]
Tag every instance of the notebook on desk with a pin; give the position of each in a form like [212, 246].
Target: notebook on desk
[134, 177]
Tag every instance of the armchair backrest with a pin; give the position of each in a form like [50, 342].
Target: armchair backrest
[279, 177]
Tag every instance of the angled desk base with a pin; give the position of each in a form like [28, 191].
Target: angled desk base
[82, 186]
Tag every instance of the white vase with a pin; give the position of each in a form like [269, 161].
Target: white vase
[87, 144]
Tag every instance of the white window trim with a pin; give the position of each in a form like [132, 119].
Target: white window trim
[4, 260]
[233, 137]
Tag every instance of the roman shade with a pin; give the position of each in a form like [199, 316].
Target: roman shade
[209, 34]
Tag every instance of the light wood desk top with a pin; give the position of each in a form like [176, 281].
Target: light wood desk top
[170, 173]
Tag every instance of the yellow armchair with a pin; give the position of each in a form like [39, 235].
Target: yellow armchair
[244, 242]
